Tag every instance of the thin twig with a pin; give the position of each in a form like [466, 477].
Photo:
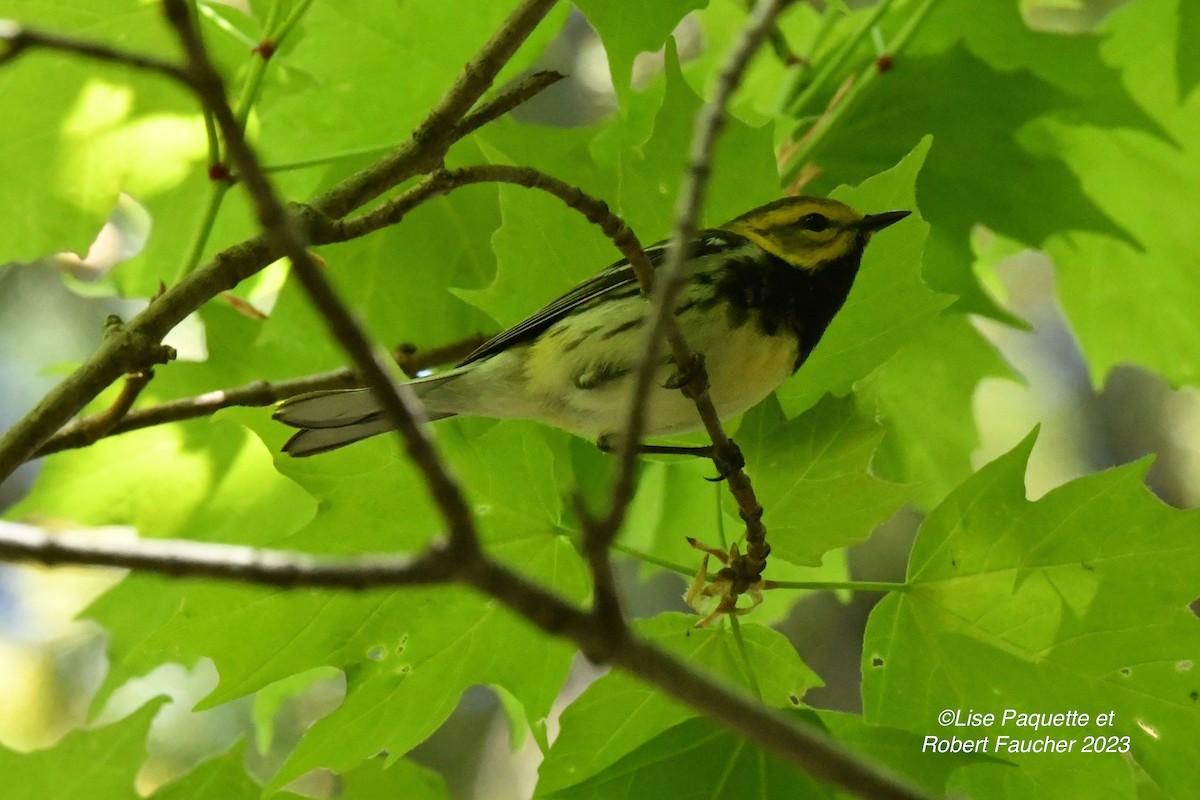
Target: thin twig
[443, 182]
[181, 558]
[882, 64]
[507, 100]
[431, 139]
[493, 109]
[673, 275]
[833, 63]
[399, 404]
[92, 429]
[20, 39]
[818, 755]
[256, 394]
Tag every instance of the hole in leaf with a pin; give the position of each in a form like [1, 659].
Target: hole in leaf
[1126, 671]
[876, 661]
[795, 700]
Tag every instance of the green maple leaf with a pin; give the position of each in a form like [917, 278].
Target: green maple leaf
[696, 758]
[924, 396]
[984, 166]
[225, 778]
[1126, 301]
[408, 654]
[303, 112]
[89, 131]
[628, 28]
[812, 476]
[618, 713]
[1076, 601]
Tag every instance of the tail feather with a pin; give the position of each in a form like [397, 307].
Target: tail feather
[312, 441]
[328, 409]
[335, 418]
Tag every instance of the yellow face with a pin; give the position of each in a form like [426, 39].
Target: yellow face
[807, 232]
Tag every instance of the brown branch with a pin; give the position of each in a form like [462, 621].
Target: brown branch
[89, 430]
[20, 39]
[802, 745]
[507, 101]
[255, 394]
[399, 404]
[118, 355]
[746, 570]
[181, 558]
[432, 137]
[817, 754]
[444, 182]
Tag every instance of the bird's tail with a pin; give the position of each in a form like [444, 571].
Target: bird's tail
[337, 417]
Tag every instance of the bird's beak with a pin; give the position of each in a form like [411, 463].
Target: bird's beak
[877, 222]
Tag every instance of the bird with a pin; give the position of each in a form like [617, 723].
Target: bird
[763, 288]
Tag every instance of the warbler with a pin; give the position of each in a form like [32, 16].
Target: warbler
[763, 288]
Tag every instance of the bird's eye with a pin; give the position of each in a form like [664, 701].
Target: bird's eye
[814, 222]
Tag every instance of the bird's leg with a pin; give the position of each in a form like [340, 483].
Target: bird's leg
[725, 460]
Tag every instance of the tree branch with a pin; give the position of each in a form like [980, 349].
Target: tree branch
[20, 39]
[443, 182]
[90, 430]
[180, 558]
[673, 276]
[507, 101]
[258, 393]
[432, 138]
[809, 749]
[398, 402]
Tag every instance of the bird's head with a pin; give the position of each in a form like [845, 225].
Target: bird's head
[810, 232]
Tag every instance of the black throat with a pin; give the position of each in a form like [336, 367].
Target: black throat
[768, 292]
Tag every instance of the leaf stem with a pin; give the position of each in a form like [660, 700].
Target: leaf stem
[223, 24]
[854, 586]
[653, 559]
[249, 95]
[216, 194]
[736, 628]
[834, 64]
[317, 161]
[816, 135]
[292, 20]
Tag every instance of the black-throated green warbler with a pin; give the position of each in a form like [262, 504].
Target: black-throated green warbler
[763, 288]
